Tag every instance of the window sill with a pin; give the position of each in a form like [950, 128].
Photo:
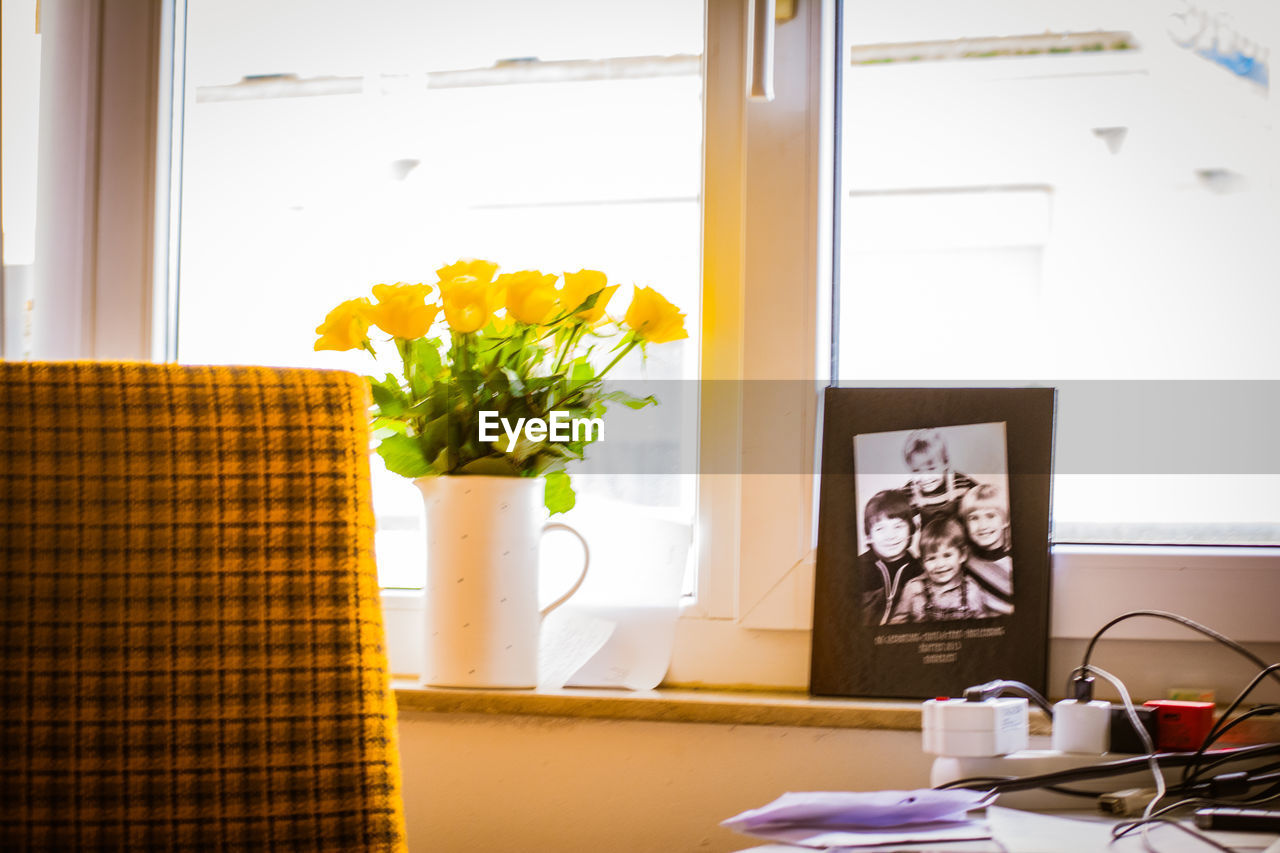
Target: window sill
[733, 708]
[719, 707]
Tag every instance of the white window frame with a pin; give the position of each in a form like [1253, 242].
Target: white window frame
[97, 184]
[102, 249]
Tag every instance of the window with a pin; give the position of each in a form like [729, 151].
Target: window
[21, 102]
[326, 149]
[1078, 195]
[762, 199]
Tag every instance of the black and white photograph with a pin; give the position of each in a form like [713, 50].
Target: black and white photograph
[933, 560]
[933, 529]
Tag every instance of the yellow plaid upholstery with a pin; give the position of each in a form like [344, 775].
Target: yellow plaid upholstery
[191, 645]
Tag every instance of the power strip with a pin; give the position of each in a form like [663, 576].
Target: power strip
[1033, 762]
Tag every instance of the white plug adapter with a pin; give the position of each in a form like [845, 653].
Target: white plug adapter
[961, 728]
[1081, 727]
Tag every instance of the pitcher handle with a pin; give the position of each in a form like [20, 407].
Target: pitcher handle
[586, 561]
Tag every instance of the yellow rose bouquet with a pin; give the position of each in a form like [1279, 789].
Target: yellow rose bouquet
[477, 343]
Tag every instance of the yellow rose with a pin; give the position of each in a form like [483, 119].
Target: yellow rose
[466, 301]
[402, 309]
[653, 318]
[580, 285]
[531, 296]
[482, 271]
[345, 327]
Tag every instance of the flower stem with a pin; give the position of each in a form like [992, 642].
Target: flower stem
[461, 352]
[402, 346]
[629, 347]
[569, 344]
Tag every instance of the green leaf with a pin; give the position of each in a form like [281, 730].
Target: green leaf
[513, 380]
[387, 396]
[444, 462]
[524, 448]
[630, 400]
[426, 356]
[403, 455]
[422, 362]
[490, 466]
[435, 436]
[557, 493]
[582, 371]
[384, 427]
[588, 303]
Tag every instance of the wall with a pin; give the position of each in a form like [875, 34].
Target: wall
[487, 782]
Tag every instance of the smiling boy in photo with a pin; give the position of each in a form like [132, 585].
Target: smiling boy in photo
[985, 513]
[946, 590]
[935, 487]
[886, 566]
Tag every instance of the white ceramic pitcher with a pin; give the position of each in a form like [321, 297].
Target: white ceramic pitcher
[482, 615]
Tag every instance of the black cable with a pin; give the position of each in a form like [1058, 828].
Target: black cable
[1001, 686]
[1002, 784]
[1243, 694]
[1122, 829]
[1181, 620]
[1214, 764]
[988, 780]
[1223, 755]
[1126, 828]
[1191, 771]
[1266, 777]
[973, 782]
[1072, 792]
[1216, 731]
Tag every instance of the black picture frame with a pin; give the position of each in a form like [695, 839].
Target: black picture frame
[922, 638]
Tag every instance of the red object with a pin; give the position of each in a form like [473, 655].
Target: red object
[1181, 726]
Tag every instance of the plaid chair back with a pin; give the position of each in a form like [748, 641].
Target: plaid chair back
[191, 639]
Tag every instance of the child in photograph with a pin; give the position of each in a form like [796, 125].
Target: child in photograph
[935, 488]
[886, 566]
[985, 513]
[946, 590]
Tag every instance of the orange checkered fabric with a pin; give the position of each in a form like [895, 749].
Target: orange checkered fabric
[191, 644]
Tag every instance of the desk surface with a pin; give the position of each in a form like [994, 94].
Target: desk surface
[1069, 832]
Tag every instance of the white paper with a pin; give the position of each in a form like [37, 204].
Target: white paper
[567, 641]
[983, 846]
[862, 809]
[638, 652]
[948, 831]
[634, 582]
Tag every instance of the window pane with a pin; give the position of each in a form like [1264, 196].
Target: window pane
[1069, 194]
[329, 146]
[21, 107]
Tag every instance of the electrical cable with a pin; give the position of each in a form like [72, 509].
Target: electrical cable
[1195, 764]
[1260, 799]
[1147, 744]
[1191, 770]
[1080, 683]
[1057, 789]
[1181, 620]
[1119, 767]
[1146, 822]
[1216, 730]
[1122, 829]
[1217, 762]
[1000, 686]
[1072, 792]
[1148, 814]
[1256, 711]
